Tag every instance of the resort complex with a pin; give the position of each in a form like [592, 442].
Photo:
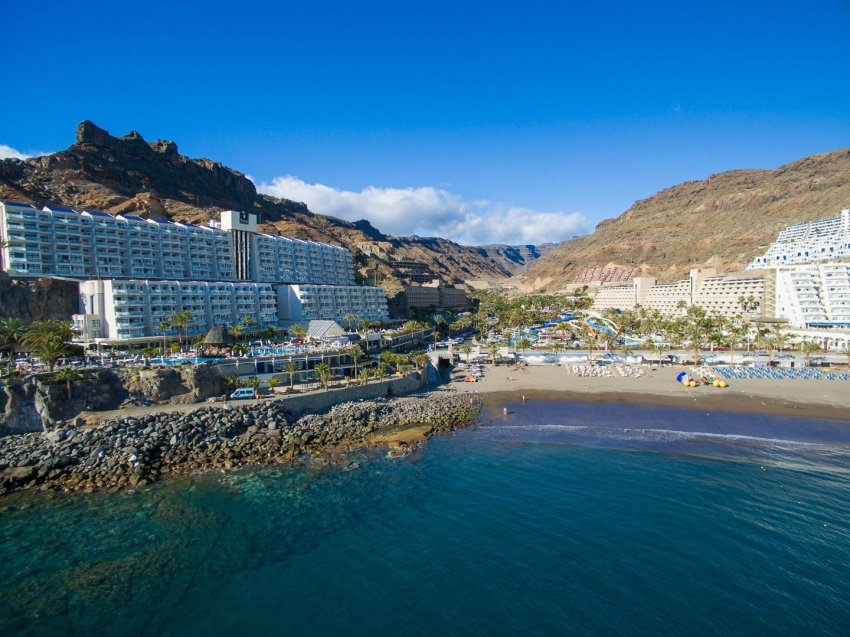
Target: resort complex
[812, 242]
[803, 279]
[134, 273]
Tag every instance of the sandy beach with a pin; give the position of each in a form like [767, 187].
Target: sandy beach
[804, 398]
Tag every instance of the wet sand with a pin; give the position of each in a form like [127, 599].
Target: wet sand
[800, 398]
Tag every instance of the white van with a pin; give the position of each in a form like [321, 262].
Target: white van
[243, 392]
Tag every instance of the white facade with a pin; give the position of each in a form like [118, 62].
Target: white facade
[810, 242]
[309, 302]
[718, 295]
[811, 295]
[129, 308]
[61, 242]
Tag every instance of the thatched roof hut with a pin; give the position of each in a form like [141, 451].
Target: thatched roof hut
[217, 337]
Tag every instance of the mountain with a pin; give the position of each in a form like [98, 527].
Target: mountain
[723, 221]
[152, 179]
[514, 257]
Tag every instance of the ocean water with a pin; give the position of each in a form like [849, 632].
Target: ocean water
[551, 520]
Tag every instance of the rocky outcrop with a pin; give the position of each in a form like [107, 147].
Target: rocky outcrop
[185, 384]
[38, 300]
[134, 451]
[38, 402]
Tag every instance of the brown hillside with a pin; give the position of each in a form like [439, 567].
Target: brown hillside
[723, 221]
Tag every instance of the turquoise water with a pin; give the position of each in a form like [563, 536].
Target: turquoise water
[552, 520]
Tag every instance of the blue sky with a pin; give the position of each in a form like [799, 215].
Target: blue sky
[510, 122]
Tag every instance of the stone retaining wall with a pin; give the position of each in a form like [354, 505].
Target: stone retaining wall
[321, 400]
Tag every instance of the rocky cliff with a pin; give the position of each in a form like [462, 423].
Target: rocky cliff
[723, 221]
[152, 179]
[38, 300]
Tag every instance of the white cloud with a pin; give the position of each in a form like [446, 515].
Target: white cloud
[7, 152]
[431, 212]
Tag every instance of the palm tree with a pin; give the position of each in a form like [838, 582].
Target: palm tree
[421, 360]
[589, 340]
[523, 344]
[363, 376]
[50, 352]
[349, 318]
[292, 369]
[67, 374]
[12, 331]
[808, 348]
[273, 382]
[382, 369]
[299, 330]
[235, 331]
[270, 333]
[493, 350]
[164, 326]
[467, 350]
[439, 320]
[325, 374]
[181, 320]
[42, 332]
[356, 353]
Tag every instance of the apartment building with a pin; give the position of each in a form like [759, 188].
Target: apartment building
[62, 242]
[810, 295]
[307, 302]
[136, 309]
[143, 271]
[718, 295]
[808, 242]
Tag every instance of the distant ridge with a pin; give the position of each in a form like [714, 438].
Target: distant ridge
[723, 222]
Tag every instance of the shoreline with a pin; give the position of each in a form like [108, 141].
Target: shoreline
[819, 399]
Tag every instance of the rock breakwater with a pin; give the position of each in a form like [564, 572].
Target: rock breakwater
[136, 450]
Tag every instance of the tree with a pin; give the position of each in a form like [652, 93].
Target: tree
[273, 382]
[356, 353]
[68, 374]
[292, 369]
[148, 353]
[41, 332]
[235, 331]
[164, 326]
[363, 376]
[12, 331]
[382, 369]
[421, 360]
[299, 330]
[325, 374]
[589, 340]
[493, 350]
[349, 318]
[808, 348]
[523, 344]
[439, 320]
[181, 320]
[467, 350]
[50, 351]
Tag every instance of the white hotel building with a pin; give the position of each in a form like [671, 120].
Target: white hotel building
[808, 242]
[719, 295]
[135, 273]
[803, 278]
